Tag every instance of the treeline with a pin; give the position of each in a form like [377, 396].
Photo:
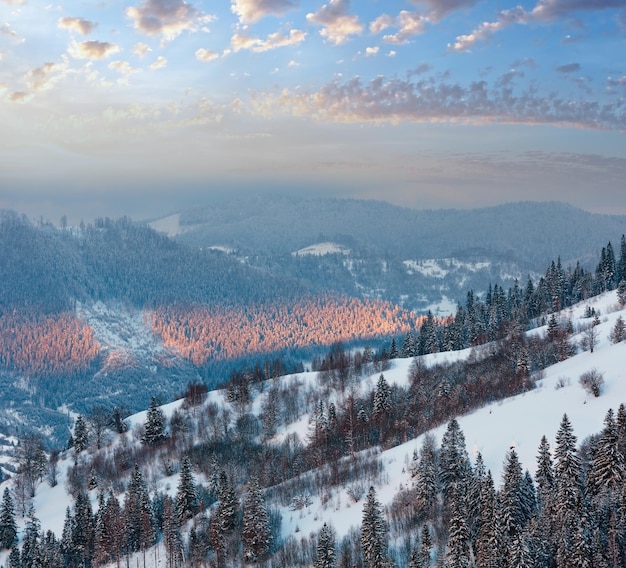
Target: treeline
[39, 346]
[48, 269]
[201, 333]
[500, 313]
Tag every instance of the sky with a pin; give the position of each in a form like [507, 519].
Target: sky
[149, 107]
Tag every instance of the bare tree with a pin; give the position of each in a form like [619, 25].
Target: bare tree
[592, 381]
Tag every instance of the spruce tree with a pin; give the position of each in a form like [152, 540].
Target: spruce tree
[607, 471]
[487, 540]
[544, 475]
[186, 494]
[326, 557]
[81, 438]
[8, 526]
[373, 533]
[256, 535]
[458, 555]
[393, 349]
[83, 528]
[453, 459]
[154, 427]
[227, 506]
[426, 479]
[382, 398]
[426, 544]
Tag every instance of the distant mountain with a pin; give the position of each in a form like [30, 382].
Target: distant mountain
[528, 233]
[420, 259]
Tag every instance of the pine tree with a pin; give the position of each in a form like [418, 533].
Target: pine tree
[621, 430]
[31, 542]
[382, 398]
[528, 498]
[511, 497]
[607, 471]
[186, 494]
[227, 506]
[373, 533]
[8, 526]
[154, 428]
[81, 437]
[393, 349]
[453, 459]
[567, 467]
[325, 548]
[458, 555]
[256, 534]
[138, 530]
[171, 534]
[544, 475]
[409, 346]
[426, 478]
[486, 543]
[426, 544]
[15, 559]
[83, 528]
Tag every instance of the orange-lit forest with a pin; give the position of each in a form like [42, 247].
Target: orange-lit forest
[38, 345]
[201, 333]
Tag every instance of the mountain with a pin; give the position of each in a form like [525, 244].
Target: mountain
[420, 259]
[335, 493]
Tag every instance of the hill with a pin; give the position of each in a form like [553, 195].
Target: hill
[334, 493]
[381, 245]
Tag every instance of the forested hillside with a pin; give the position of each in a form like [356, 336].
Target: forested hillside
[364, 462]
[419, 259]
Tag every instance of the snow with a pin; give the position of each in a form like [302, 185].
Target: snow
[120, 329]
[321, 249]
[441, 267]
[518, 422]
[169, 225]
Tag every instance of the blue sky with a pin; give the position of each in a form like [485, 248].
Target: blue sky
[144, 107]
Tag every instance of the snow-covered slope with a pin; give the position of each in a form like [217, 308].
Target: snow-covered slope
[517, 422]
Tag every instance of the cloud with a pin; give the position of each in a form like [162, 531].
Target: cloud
[273, 41]
[20, 97]
[14, 2]
[123, 68]
[371, 51]
[140, 49]
[93, 49]
[80, 25]
[439, 9]
[44, 77]
[381, 23]
[8, 31]
[166, 18]
[568, 68]
[545, 11]
[410, 24]
[250, 11]
[429, 100]
[159, 63]
[206, 55]
[337, 25]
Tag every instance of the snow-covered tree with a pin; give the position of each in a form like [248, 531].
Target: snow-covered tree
[227, 506]
[81, 436]
[186, 494]
[373, 533]
[326, 557]
[8, 526]
[256, 534]
[154, 428]
[458, 555]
